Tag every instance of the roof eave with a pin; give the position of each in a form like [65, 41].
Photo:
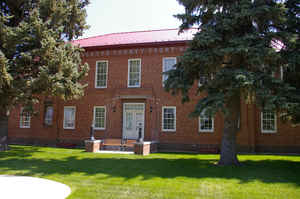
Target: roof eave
[135, 45]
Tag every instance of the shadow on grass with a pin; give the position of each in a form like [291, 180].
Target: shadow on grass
[128, 167]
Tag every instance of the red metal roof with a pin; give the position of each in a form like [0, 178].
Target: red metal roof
[138, 37]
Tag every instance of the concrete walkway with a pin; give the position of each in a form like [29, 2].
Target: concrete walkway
[116, 152]
[16, 187]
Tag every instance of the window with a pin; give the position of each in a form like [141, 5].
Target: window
[268, 122]
[168, 64]
[49, 115]
[24, 119]
[69, 117]
[203, 79]
[169, 118]
[281, 73]
[134, 72]
[206, 123]
[101, 74]
[99, 117]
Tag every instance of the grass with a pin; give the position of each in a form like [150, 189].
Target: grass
[161, 175]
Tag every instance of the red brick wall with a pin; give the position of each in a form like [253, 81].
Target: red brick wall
[187, 132]
[38, 131]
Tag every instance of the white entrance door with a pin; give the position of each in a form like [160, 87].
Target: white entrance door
[133, 120]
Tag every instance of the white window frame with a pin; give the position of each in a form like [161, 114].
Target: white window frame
[261, 124]
[162, 117]
[206, 118]
[49, 121]
[94, 118]
[199, 82]
[74, 118]
[163, 68]
[208, 78]
[281, 73]
[21, 120]
[140, 75]
[96, 73]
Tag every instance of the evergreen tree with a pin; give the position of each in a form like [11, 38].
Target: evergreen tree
[236, 49]
[36, 58]
[291, 53]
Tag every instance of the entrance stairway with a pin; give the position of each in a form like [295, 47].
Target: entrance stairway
[113, 144]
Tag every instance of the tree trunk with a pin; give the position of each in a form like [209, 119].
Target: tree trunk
[231, 127]
[3, 130]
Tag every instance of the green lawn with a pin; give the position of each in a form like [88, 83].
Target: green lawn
[162, 175]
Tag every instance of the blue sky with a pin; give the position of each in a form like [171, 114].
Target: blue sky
[111, 16]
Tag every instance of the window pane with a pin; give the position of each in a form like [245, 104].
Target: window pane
[169, 118]
[168, 64]
[268, 121]
[101, 76]
[136, 107]
[49, 115]
[134, 72]
[99, 117]
[69, 117]
[25, 119]
[206, 123]
[129, 120]
[202, 80]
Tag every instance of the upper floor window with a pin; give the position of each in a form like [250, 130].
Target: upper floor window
[24, 119]
[168, 64]
[49, 115]
[134, 73]
[169, 118]
[206, 123]
[99, 117]
[101, 74]
[268, 122]
[69, 117]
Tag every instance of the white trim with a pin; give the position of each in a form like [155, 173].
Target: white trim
[124, 117]
[94, 117]
[199, 81]
[96, 72]
[163, 66]
[281, 73]
[21, 121]
[261, 124]
[162, 119]
[206, 130]
[140, 75]
[74, 118]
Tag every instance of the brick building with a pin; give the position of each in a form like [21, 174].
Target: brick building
[125, 93]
